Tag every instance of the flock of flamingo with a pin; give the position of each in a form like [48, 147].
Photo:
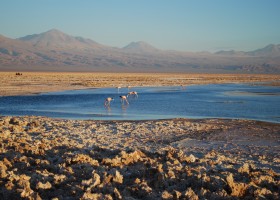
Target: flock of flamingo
[123, 98]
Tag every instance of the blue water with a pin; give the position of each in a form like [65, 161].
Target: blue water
[198, 101]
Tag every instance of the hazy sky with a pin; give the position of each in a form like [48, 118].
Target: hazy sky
[188, 25]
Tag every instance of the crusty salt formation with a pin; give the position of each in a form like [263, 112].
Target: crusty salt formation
[43, 158]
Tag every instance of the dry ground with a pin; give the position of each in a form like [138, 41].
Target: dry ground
[36, 82]
[43, 158]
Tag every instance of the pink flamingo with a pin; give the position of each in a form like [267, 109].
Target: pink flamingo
[133, 94]
[108, 101]
[124, 99]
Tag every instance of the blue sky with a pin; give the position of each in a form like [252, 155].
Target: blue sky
[185, 25]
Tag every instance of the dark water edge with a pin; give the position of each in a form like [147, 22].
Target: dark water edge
[229, 101]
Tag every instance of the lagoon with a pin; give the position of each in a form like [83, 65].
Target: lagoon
[235, 101]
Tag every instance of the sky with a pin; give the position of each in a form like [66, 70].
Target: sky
[184, 25]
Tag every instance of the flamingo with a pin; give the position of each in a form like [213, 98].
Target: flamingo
[107, 101]
[118, 88]
[124, 99]
[132, 93]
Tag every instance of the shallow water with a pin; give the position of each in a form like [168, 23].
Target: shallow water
[197, 101]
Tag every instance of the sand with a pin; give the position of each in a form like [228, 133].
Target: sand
[37, 82]
[44, 158]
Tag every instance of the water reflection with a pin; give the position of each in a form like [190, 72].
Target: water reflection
[109, 110]
[124, 107]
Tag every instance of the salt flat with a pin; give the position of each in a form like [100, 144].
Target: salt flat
[37, 82]
[44, 158]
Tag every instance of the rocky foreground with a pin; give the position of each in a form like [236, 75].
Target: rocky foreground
[43, 158]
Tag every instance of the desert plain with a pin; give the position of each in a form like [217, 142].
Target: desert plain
[37, 82]
[44, 158]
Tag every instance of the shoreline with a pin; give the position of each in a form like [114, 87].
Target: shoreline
[146, 120]
[38, 82]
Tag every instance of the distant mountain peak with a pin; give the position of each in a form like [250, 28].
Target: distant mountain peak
[52, 34]
[55, 39]
[140, 47]
[140, 43]
[269, 50]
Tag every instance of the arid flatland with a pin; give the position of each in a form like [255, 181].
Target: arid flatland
[36, 82]
[43, 158]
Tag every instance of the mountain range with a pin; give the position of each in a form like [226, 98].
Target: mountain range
[56, 51]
